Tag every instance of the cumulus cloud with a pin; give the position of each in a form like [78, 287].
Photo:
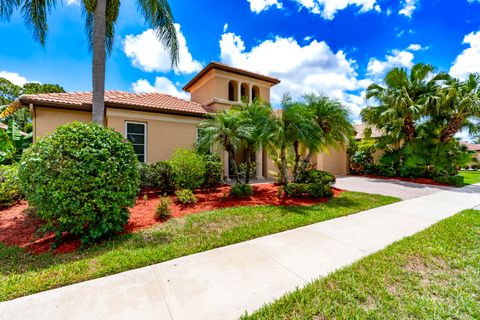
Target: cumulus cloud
[14, 78]
[162, 85]
[148, 53]
[408, 8]
[328, 8]
[313, 67]
[468, 61]
[73, 2]
[404, 59]
[258, 6]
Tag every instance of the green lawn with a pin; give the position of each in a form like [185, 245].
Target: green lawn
[434, 274]
[22, 273]
[471, 177]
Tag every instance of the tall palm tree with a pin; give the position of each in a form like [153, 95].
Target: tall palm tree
[225, 129]
[100, 18]
[255, 117]
[333, 119]
[401, 100]
[458, 103]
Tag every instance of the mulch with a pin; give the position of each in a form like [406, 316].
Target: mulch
[19, 228]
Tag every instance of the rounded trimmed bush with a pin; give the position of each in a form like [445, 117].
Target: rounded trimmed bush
[81, 179]
[188, 169]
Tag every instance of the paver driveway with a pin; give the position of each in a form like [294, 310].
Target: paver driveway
[395, 188]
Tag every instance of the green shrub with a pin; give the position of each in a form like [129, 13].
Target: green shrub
[314, 190]
[185, 196]
[81, 179]
[241, 190]
[157, 177]
[9, 186]
[188, 169]
[213, 172]
[455, 181]
[242, 170]
[163, 211]
[317, 176]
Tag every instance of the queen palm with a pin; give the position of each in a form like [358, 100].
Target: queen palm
[458, 103]
[100, 18]
[401, 100]
[225, 129]
[333, 119]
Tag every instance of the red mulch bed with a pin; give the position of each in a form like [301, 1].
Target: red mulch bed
[17, 228]
[415, 180]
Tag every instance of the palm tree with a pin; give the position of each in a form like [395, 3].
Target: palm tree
[458, 104]
[100, 16]
[291, 127]
[226, 129]
[401, 100]
[255, 117]
[333, 119]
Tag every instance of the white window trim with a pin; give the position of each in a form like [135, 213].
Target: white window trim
[146, 137]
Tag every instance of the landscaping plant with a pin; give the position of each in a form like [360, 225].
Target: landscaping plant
[241, 190]
[163, 211]
[213, 172]
[81, 179]
[157, 177]
[9, 186]
[186, 197]
[188, 169]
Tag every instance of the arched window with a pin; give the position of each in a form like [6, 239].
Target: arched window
[244, 91]
[255, 93]
[232, 91]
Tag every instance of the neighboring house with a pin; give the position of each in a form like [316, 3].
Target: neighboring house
[157, 124]
[475, 148]
[374, 134]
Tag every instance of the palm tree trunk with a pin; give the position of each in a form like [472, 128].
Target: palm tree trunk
[453, 126]
[297, 160]
[283, 167]
[409, 127]
[231, 155]
[98, 68]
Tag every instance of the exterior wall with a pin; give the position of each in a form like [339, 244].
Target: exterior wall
[204, 90]
[46, 119]
[165, 133]
[333, 161]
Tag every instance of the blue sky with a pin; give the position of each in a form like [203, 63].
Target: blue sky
[335, 46]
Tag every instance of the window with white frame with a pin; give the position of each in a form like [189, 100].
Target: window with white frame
[136, 133]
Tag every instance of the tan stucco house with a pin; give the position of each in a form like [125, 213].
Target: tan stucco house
[157, 124]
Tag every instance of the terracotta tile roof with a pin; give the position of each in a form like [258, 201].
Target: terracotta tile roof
[225, 67]
[360, 128]
[471, 146]
[142, 101]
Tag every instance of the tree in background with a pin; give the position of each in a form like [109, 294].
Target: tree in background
[100, 16]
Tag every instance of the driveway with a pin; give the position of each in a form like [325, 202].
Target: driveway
[395, 188]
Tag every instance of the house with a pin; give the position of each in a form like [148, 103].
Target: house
[157, 124]
[475, 149]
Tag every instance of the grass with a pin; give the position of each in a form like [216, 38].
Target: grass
[434, 274]
[22, 273]
[471, 177]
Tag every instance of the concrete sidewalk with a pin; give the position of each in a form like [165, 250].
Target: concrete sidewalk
[223, 283]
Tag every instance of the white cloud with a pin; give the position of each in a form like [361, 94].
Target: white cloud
[377, 68]
[14, 78]
[314, 68]
[225, 27]
[409, 7]
[328, 8]
[148, 53]
[73, 2]
[468, 61]
[162, 85]
[417, 47]
[258, 6]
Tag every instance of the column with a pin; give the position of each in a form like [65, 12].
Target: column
[250, 92]
[259, 164]
[225, 166]
[239, 92]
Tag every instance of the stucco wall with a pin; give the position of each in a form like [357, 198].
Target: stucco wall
[49, 119]
[165, 133]
[333, 161]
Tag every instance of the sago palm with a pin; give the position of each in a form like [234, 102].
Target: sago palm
[100, 18]
[401, 100]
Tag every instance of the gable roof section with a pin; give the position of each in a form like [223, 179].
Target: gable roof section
[471, 146]
[227, 68]
[156, 102]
